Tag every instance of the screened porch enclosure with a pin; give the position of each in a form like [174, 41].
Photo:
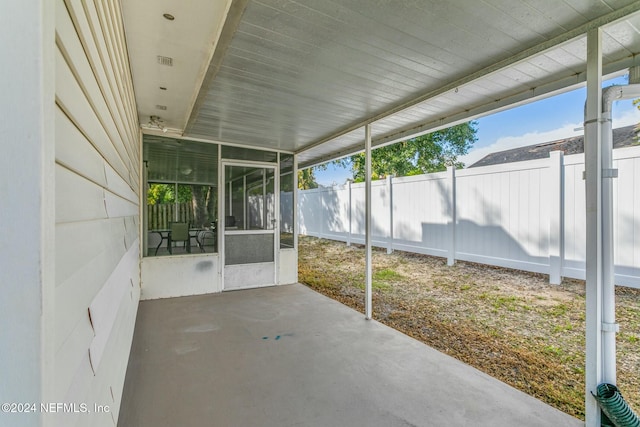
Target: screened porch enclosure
[226, 213]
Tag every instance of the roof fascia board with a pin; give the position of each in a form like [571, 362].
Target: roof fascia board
[180, 136]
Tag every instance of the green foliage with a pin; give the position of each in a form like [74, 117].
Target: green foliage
[307, 177]
[184, 193]
[160, 193]
[424, 154]
[165, 193]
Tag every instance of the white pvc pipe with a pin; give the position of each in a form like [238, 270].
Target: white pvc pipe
[608, 287]
[609, 325]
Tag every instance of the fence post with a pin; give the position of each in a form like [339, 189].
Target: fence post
[390, 193]
[322, 215]
[349, 214]
[556, 217]
[451, 177]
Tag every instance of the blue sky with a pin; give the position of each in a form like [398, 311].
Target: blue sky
[546, 120]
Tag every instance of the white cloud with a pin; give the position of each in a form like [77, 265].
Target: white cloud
[623, 118]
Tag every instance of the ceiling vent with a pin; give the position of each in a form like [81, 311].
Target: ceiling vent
[161, 107]
[165, 60]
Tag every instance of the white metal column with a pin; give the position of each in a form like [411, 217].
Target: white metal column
[27, 181]
[390, 198]
[593, 176]
[296, 229]
[367, 238]
[349, 215]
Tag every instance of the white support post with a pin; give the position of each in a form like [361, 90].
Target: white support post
[296, 216]
[556, 217]
[264, 199]
[390, 196]
[27, 180]
[593, 176]
[221, 216]
[367, 238]
[245, 199]
[349, 214]
[451, 226]
[144, 207]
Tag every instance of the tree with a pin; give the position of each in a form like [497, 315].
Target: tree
[160, 193]
[203, 201]
[307, 178]
[201, 197]
[423, 154]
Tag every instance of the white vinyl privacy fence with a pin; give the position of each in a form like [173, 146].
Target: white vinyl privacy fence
[526, 215]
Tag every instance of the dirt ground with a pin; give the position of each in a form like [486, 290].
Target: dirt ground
[510, 324]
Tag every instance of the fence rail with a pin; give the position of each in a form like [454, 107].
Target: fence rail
[160, 215]
[526, 215]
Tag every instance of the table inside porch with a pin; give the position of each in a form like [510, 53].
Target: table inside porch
[199, 234]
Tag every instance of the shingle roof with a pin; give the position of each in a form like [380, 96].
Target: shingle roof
[622, 137]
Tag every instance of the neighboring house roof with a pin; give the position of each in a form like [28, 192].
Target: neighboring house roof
[622, 137]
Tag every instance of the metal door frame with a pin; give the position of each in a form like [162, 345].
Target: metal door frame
[223, 203]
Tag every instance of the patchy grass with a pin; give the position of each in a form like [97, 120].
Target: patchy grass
[510, 324]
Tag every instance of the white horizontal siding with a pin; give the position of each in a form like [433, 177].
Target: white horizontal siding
[72, 100]
[97, 209]
[85, 202]
[74, 151]
[105, 306]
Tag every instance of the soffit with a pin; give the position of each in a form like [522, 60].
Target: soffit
[305, 76]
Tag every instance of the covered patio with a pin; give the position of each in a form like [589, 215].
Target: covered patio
[220, 103]
[288, 356]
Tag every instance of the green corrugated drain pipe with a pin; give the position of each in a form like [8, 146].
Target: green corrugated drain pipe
[614, 407]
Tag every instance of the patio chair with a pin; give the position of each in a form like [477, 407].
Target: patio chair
[179, 232]
[206, 238]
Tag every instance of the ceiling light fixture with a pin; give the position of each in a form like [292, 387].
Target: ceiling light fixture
[168, 16]
[156, 121]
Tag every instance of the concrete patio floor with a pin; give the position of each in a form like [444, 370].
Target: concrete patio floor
[288, 356]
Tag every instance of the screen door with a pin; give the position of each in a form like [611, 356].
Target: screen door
[249, 225]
